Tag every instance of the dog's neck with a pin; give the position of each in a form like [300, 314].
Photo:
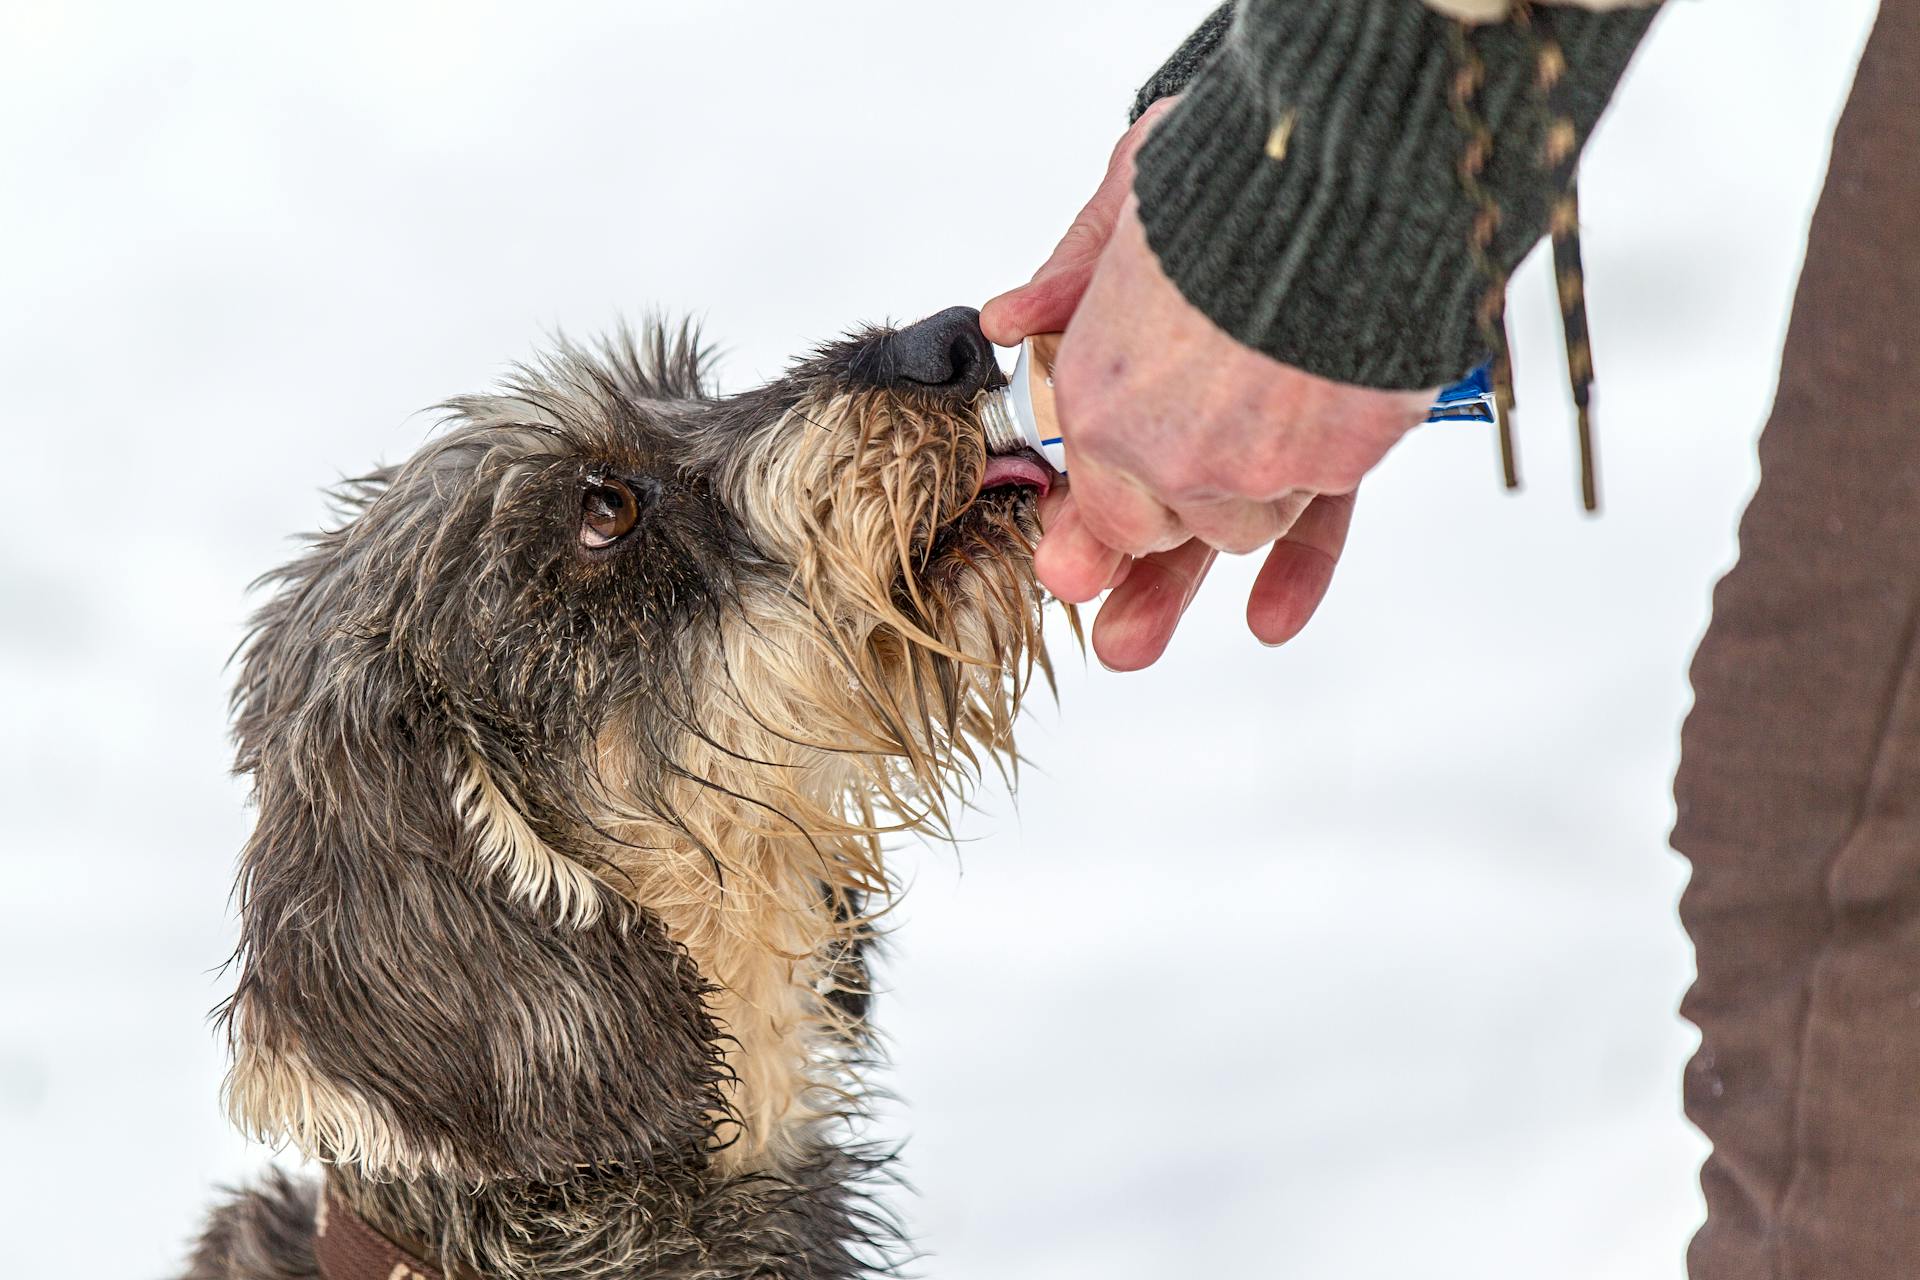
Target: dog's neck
[612, 1223]
[774, 920]
[766, 875]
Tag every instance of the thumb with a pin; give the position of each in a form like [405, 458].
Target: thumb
[1045, 303]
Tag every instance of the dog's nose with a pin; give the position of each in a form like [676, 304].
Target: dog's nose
[946, 351]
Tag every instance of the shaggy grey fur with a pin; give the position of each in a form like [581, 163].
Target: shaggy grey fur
[550, 1095]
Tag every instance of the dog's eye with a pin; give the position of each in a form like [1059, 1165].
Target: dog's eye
[608, 511]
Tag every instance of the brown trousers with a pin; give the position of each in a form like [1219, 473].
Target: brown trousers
[1799, 782]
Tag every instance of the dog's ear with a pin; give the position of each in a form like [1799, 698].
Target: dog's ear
[399, 1013]
[404, 1007]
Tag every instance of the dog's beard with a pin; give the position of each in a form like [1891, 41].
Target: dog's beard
[906, 631]
[870, 674]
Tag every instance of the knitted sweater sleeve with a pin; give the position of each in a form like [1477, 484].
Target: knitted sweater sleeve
[1307, 192]
[1186, 61]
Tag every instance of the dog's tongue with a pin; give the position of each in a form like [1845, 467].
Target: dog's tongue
[1004, 469]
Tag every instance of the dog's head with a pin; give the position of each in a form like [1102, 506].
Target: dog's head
[604, 607]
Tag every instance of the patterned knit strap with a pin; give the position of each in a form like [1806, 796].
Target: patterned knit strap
[346, 1248]
[1559, 160]
[1469, 75]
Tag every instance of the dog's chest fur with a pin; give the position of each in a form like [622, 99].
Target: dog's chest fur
[779, 944]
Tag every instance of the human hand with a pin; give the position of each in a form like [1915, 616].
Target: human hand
[1183, 440]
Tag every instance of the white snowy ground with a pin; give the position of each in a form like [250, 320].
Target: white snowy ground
[1353, 960]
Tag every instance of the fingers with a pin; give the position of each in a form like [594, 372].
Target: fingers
[1236, 526]
[1299, 569]
[1071, 561]
[1045, 303]
[1118, 511]
[1138, 619]
[1149, 594]
[1050, 506]
[1053, 505]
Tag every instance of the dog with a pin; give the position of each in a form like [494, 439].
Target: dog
[574, 746]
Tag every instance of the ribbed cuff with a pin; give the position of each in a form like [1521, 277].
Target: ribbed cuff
[1179, 70]
[1305, 193]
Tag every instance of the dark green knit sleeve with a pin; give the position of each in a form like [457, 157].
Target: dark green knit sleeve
[1186, 61]
[1306, 193]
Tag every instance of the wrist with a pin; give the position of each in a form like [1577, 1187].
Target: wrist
[1305, 194]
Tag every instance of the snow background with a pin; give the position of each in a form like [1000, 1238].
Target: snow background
[1357, 959]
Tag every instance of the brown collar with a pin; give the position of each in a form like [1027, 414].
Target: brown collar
[346, 1248]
